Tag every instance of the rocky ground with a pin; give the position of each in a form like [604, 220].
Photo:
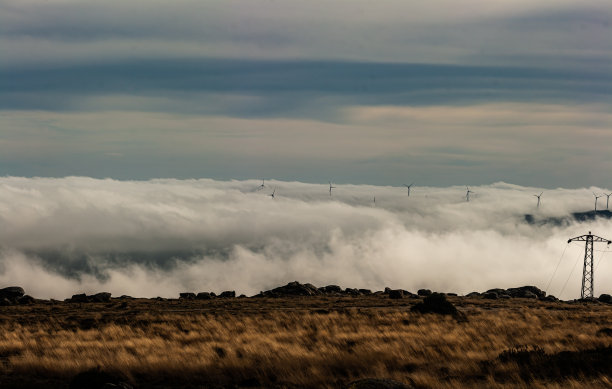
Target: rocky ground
[299, 335]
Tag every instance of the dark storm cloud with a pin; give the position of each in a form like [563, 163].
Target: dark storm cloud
[290, 87]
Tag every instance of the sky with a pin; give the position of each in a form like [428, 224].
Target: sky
[63, 236]
[134, 135]
[356, 92]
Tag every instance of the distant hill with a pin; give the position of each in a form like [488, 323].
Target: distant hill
[579, 217]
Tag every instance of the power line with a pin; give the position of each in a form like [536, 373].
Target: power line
[600, 258]
[570, 275]
[558, 263]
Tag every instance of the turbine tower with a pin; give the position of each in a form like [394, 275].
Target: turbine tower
[538, 196]
[263, 184]
[330, 188]
[408, 188]
[467, 194]
[273, 194]
[608, 199]
[596, 197]
[587, 270]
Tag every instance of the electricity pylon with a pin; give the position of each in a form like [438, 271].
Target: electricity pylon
[587, 270]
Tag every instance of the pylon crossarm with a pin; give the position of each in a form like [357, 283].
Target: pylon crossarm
[583, 238]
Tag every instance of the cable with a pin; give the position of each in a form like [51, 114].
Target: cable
[558, 263]
[600, 258]
[570, 275]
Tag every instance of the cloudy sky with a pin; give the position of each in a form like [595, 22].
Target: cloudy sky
[134, 134]
[361, 92]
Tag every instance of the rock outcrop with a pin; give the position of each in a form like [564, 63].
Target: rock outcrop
[102, 297]
[526, 292]
[187, 296]
[330, 289]
[292, 289]
[605, 298]
[205, 296]
[424, 292]
[435, 303]
[228, 294]
[11, 292]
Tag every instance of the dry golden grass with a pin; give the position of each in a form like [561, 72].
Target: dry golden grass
[304, 342]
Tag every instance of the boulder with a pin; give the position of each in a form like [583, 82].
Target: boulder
[330, 289]
[423, 292]
[352, 291]
[25, 300]
[435, 303]
[365, 292]
[605, 298]
[204, 296]
[79, 298]
[396, 294]
[497, 291]
[292, 289]
[473, 294]
[102, 297]
[550, 298]
[187, 296]
[228, 294]
[4, 302]
[526, 292]
[490, 295]
[378, 383]
[530, 295]
[11, 292]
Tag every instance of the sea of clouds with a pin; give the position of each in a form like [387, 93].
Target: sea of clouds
[61, 236]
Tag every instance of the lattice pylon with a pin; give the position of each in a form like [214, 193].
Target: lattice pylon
[588, 273]
[588, 280]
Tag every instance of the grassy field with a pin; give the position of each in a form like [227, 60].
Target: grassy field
[322, 342]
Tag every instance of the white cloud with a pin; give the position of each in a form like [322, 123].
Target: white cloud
[162, 237]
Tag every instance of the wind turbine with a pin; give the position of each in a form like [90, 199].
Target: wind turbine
[596, 197]
[263, 184]
[330, 188]
[408, 188]
[273, 192]
[608, 199]
[467, 194]
[374, 200]
[538, 196]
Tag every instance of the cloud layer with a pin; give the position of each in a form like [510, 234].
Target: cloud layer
[480, 92]
[47, 32]
[161, 237]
